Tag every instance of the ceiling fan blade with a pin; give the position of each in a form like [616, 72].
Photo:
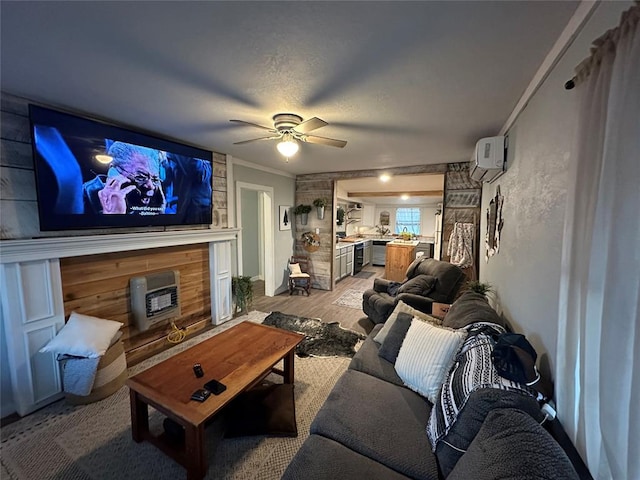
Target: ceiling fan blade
[254, 125]
[256, 139]
[310, 124]
[331, 142]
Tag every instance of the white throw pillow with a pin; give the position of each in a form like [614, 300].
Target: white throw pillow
[294, 269]
[426, 356]
[83, 336]
[403, 307]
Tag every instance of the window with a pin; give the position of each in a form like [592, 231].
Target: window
[409, 218]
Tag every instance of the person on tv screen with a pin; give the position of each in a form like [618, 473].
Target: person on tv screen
[132, 185]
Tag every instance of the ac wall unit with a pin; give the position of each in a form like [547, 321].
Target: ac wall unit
[155, 298]
[488, 161]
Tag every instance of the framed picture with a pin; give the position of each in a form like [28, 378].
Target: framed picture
[285, 217]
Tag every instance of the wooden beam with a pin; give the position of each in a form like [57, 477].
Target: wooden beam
[420, 193]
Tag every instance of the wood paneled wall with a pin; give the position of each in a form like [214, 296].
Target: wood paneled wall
[18, 201]
[462, 200]
[308, 188]
[98, 285]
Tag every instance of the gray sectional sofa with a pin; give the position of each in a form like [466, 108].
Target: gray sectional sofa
[373, 427]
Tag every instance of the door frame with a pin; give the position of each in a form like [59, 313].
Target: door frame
[266, 225]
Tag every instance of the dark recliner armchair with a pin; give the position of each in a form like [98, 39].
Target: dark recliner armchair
[427, 281]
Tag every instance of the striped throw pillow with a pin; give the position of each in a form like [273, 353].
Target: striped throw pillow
[426, 356]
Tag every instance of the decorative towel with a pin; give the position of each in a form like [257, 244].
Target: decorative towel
[460, 248]
[79, 374]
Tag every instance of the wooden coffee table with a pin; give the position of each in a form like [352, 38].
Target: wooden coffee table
[239, 357]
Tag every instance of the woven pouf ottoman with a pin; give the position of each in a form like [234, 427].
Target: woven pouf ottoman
[111, 375]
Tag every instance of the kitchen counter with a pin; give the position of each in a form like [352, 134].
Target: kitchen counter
[411, 243]
[350, 241]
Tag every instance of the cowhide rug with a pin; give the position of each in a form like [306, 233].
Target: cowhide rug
[321, 339]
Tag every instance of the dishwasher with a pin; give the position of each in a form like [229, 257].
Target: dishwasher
[379, 252]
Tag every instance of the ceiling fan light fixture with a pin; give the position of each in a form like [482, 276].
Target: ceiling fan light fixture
[288, 147]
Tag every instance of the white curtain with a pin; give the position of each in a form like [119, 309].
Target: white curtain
[598, 388]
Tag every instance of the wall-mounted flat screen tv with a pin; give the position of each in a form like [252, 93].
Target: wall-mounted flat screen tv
[92, 174]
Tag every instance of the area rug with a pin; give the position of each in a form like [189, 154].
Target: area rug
[93, 442]
[363, 274]
[321, 339]
[350, 298]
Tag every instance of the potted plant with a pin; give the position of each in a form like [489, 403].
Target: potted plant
[320, 203]
[340, 213]
[242, 291]
[302, 211]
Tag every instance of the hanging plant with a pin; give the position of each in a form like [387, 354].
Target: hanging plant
[300, 209]
[320, 204]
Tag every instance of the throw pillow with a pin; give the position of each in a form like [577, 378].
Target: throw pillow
[426, 356]
[294, 269]
[83, 336]
[402, 307]
[392, 343]
[419, 285]
[510, 445]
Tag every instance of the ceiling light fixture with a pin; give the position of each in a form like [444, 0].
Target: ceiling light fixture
[385, 177]
[288, 146]
[405, 197]
[104, 158]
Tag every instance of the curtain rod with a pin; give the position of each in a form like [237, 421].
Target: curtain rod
[629, 15]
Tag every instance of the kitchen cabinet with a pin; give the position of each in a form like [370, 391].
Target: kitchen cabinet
[398, 259]
[343, 262]
[367, 252]
[369, 215]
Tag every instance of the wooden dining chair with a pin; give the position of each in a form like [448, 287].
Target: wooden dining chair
[299, 274]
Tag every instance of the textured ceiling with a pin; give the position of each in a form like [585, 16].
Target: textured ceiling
[404, 83]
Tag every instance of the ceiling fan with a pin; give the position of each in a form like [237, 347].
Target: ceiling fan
[288, 128]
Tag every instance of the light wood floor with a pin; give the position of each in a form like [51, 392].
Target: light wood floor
[319, 304]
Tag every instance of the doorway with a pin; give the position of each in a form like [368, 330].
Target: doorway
[254, 211]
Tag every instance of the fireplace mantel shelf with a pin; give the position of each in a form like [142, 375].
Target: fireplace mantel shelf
[12, 251]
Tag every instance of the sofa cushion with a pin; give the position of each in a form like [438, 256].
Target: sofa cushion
[479, 404]
[419, 285]
[379, 420]
[469, 308]
[391, 346]
[321, 458]
[403, 307]
[426, 355]
[510, 445]
[368, 361]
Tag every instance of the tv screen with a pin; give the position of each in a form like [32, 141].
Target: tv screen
[91, 174]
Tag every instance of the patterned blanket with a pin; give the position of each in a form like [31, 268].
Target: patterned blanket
[472, 370]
